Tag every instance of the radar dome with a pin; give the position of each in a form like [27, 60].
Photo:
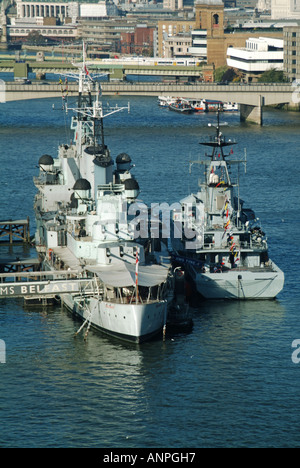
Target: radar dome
[123, 158]
[46, 160]
[132, 188]
[123, 161]
[82, 184]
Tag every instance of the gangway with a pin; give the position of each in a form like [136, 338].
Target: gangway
[39, 284]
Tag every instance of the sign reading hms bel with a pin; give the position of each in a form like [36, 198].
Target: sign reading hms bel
[39, 288]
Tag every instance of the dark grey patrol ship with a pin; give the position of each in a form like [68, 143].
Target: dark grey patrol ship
[229, 259]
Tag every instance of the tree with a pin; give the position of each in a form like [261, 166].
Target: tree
[230, 75]
[219, 72]
[272, 76]
[226, 74]
[34, 37]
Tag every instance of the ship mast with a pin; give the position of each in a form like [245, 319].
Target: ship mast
[89, 109]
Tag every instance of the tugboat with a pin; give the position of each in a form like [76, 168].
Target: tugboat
[228, 258]
[84, 225]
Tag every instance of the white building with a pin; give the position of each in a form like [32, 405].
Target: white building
[173, 4]
[263, 5]
[65, 9]
[259, 55]
[283, 9]
[97, 10]
[199, 43]
[20, 28]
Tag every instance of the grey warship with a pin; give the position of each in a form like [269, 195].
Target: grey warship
[229, 257]
[81, 210]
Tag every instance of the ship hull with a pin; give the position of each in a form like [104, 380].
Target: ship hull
[134, 323]
[239, 284]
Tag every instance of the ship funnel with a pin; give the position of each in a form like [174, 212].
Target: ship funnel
[103, 165]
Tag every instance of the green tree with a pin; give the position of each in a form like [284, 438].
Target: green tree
[219, 72]
[272, 76]
[34, 37]
[226, 74]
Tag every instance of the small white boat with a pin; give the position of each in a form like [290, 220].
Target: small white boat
[230, 107]
[165, 101]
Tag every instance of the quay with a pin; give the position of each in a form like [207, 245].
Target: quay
[250, 97]
[15, 231]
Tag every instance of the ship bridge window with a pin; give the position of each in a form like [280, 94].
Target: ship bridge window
[208, 239]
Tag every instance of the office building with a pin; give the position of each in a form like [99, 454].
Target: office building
[291, 37]
[259, 55]
[285, 9]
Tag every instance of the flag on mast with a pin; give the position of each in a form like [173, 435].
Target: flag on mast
[87, 73]
[137, 274]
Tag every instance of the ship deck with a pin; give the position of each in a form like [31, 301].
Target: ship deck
[68, 258]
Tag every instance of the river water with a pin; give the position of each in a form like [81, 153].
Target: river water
[231, 380]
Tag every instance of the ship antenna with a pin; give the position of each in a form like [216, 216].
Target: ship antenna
[218, 122]
[89, 109]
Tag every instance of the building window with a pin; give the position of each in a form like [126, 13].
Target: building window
[215, 19]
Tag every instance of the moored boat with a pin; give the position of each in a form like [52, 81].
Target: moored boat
[213, 105]
[165, 101]
[230, 107]
[181, 106]
[85, 222]
[228, 257]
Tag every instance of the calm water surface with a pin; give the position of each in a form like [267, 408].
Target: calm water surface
[231, 381]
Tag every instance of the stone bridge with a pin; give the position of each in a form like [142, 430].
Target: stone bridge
[251, 98]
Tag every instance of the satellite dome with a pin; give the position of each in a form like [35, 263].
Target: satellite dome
[46, 160]
[131, 184]
[123, 158]
[82, 184]
[96, 149]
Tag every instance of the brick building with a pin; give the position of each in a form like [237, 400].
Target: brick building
[139, 42]
[209, 19]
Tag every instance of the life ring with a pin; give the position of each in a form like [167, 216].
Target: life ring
[179, 274]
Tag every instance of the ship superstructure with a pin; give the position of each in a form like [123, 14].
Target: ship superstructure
[83, 225]
[232, 259]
